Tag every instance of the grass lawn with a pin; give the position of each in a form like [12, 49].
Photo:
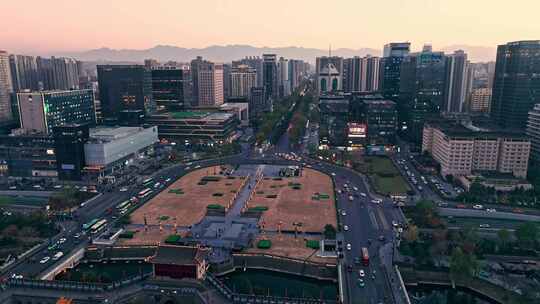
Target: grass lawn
[32, 201]
[385, 176]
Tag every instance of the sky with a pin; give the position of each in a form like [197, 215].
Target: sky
[40, 26]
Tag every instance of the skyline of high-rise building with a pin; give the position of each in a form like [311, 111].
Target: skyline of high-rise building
[393, 55]
[458, 82]
[44, 110]
[516, 87]
[422, 88]
[270, 77]
[124, 88]
[207, 78]
[6, 88]
[242, 79]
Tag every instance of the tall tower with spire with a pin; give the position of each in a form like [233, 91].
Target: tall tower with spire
[329, 73]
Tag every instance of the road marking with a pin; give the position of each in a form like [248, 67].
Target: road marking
[373, 219]
[383, 219]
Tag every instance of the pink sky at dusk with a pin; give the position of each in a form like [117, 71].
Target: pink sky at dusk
[35, 26]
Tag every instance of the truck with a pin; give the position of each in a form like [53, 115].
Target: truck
[365, 256]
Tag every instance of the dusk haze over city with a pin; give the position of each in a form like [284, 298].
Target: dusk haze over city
[282, 152]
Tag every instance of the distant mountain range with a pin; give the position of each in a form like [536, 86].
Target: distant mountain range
[233, 52]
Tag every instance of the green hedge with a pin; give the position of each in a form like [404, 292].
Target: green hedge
[214, 207]
[258, 208]
[172, 239]
[264, 244]
[211, 179]
[127, 234]
[313, 244]
[176, 191]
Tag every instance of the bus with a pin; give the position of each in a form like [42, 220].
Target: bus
[145, 193]
[97, 227]
[148, 182]
[123, 205]
[365, 256]
[87, 226]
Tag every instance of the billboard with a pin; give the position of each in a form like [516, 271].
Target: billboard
[357, 130]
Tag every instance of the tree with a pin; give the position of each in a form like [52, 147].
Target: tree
[329, 232]
[527, 234]
[462, 265]
[411, 234]
[426, 214]
[503, 236]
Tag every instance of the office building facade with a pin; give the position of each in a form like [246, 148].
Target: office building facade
[270, 77]
[124, 88]
[42, 111]
[393, 55]
[422, 88]
[28, 156]
[171, 87]
[69, 141]
[516, 87]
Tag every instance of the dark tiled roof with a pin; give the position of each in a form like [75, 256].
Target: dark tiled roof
[178, 255]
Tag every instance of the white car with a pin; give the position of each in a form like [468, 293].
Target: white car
[346, 228]
[123, 189]
[484, 226]
[44, 260]
[343, 213]
[197, 166]
[491, 210]
[17, 276]
[168, 179]
[333, 174]
[351, 198]
[62, 240]
[349, 247]
[478, 207]
[363, 194]
[361, 273]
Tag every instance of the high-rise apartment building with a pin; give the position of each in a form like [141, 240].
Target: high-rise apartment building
[207, 80]
[461, 151]
[254, 62]
[242, 79]
[458, 82]
[270, 77]
[42, 111]
[171, 87]
[6, 88]
[123, 89]
[284, 84]
[57, 73]
[393, 55]
[24, 72]
[533, 131]
[361, 74]
[297, 70]
[480, 100]
[516, 87]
